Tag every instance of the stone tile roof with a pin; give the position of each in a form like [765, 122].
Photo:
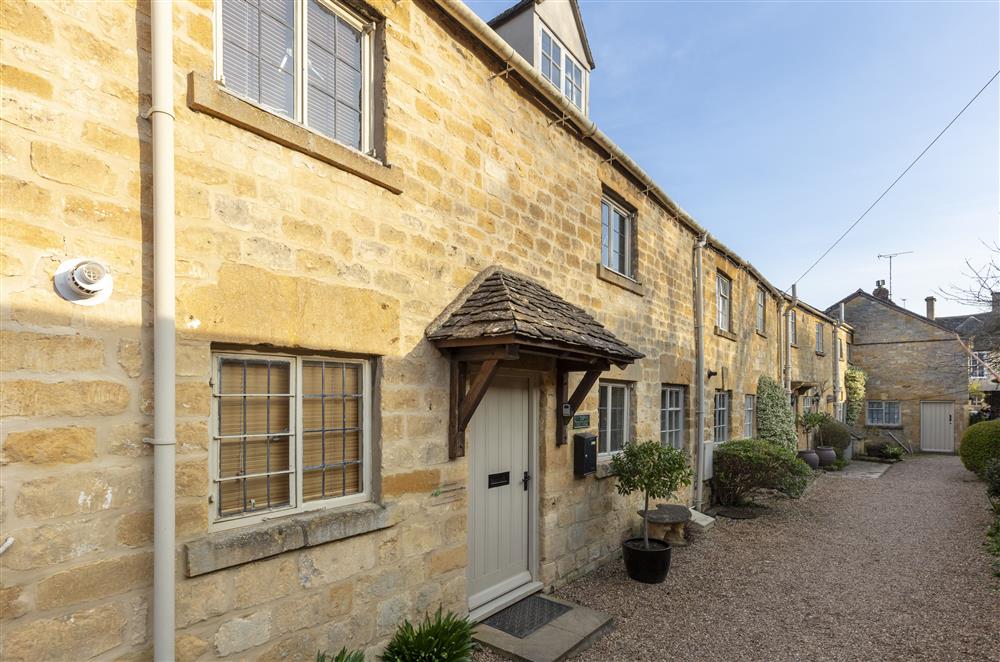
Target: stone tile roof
[500, 303]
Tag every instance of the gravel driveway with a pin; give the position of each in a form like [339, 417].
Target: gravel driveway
[891, 568]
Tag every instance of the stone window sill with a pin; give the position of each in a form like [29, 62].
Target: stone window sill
[820, 353]
[206, 96]
[226, 549]
[725, 334]
[622, 281]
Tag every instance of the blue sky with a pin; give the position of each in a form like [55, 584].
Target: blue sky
[776, 124]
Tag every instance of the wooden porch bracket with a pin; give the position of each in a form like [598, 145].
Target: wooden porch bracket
[463, 403]
[590, 377]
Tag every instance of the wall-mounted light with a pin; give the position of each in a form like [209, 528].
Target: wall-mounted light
[712, 373]
[84, 281]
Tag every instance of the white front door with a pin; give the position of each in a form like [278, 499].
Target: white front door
[499, 449]
[937, 427]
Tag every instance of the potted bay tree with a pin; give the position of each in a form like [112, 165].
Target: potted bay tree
[657, 471]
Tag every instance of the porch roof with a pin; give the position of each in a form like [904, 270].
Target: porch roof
[500, 306]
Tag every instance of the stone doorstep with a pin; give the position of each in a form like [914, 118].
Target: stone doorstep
[559, 639]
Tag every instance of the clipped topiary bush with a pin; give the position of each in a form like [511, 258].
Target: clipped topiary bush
[775, 418]
[741, 467]
[992, 478]
[980, 446]
[832, 432]
[854, 387]
[445, 638]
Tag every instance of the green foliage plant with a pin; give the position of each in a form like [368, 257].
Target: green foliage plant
[443, 638]
[775, 418]
[343, 656]
[831, 432]
[746, 465]
[980, 446]
[811, 420]
[992, 477]
[854, 387]
[892, 452]
[649, 467]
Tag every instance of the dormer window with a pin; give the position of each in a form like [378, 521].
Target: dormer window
[560, 69]
[551, 59]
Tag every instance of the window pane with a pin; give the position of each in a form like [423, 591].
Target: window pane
[332, 451]
[334, 76]
[254, 411]
[257, 51]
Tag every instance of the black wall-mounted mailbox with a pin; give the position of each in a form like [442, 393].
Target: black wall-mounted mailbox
[584, 453]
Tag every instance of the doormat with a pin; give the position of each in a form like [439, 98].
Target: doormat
[525, 617]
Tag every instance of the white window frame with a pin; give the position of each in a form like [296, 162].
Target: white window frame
[629, 218]
[300, 86]
[761, 319]
[724, 301]
[565, 62]
[604, 442]
[669, 435]
[793, 332]
[544, 32]
[569, 63]
[749, 415]
[297, 504]
[977, 368]
[725, 398]
[819, 336]
[882, 406]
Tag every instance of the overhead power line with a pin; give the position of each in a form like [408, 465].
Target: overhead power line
[894, 182]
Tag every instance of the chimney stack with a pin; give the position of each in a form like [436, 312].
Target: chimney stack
[996, 301]
[880, 292]
[930, 307]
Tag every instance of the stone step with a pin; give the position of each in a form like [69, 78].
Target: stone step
[563, 637]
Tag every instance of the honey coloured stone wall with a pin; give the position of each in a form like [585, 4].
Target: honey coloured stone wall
[279, 247]
[909, 359]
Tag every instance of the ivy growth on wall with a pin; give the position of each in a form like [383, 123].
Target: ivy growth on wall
[854, 384]
[775, 418]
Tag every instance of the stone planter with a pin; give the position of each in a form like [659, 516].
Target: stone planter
[826, 454]
[809, 457]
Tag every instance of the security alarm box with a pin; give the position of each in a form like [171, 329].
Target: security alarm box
[584, 454]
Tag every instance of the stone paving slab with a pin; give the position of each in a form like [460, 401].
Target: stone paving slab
[861, 469]
[559, 639]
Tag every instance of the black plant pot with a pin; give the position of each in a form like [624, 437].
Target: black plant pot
[646, 565]
[827, 455]
[809, 457]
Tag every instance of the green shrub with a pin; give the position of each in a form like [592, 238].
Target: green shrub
[775, 418]
[854, 388]
[343, 656]
[980, 445]
[446, 638]
[833, 433]
[891, 452]
[992, 478]
[746, 465]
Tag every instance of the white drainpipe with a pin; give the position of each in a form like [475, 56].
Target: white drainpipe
[836, 359]
[164, 330]
[788, 339]
[699, 370]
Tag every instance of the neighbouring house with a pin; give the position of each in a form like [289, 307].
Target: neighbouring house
[981, 332]
[407, 272]
[917, 391]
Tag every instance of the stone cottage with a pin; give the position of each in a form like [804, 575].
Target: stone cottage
[981, 334]
[917, 391]
[385, 268]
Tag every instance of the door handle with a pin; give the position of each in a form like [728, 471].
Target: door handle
[525, 480]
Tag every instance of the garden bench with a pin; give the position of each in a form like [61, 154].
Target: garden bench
[667, 522]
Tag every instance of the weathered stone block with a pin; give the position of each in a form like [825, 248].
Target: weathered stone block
[263, 581]
[95, 580]
[76, 398]
[421, 480]
[202, 598]
[50, 544]
[71, 166]
[88, 492]
[226, 549]
[12, 602]
[40, 352]
[69, 445]
[240, 634]
[86, 633]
